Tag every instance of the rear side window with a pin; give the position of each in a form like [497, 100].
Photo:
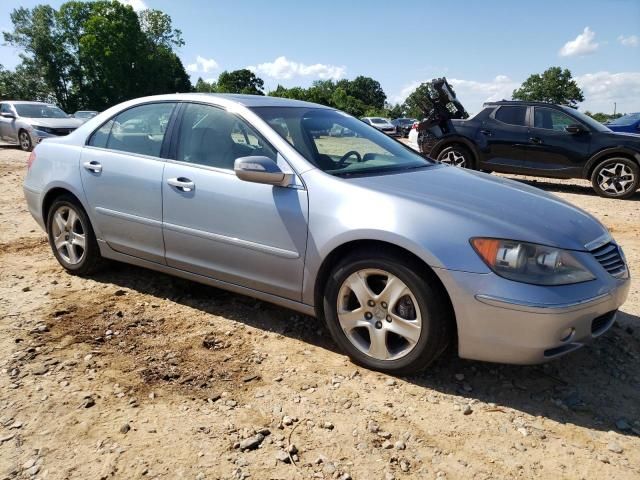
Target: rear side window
[513, 115]
[138, 130]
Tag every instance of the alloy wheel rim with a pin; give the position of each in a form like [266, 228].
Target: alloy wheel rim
[379, 314]
[454, 158]
[24, 141]
[69, 237]
[617, 178]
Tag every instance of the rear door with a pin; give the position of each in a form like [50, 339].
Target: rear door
[217, 225]
[7, 125]
[552, 149]
[506, 138]
[121, 170]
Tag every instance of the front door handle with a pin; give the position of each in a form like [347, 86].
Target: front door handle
[486, 132]
[181, 183]
[535, 140]
[93, 166]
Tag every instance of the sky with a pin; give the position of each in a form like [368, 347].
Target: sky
[484, 48]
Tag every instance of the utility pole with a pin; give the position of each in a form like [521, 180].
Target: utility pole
[614, 108]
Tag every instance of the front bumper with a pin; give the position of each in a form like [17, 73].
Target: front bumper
[508, 322]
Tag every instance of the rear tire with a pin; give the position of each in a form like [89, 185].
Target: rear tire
[401, 336]
[71, 237]
[616, 177]
[457, 156]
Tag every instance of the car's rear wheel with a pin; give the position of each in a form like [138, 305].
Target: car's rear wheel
[71, 237]
[24, 139]
[384, 315]
[616, 177]
[456, 155]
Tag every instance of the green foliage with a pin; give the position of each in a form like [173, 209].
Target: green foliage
[240, 81]
[92, 55]
[23, 84]
[396, 111]
[362, 96]
[418, 103]
[205, 87]
[603, 117]
[554, 85]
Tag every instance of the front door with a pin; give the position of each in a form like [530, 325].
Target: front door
[217, 225]
[121, 173]
[553, 150]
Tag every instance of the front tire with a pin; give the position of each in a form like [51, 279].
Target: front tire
[72, 238]
[616, 177]
[24, 140]
[457, 156]
[384, 315]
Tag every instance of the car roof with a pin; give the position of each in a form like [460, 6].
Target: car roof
[242, 99]
[522, 102]
[24, 102]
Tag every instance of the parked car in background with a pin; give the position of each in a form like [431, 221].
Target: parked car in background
[27, 123]
[539, 139]
[403, 125]
[629, 123]
[399, 254]
[381, 124]
[85, 115]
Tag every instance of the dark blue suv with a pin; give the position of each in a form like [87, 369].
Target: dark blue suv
[629, 123]
[539, 139]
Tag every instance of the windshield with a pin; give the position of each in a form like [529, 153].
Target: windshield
[378, 120]
[627, 119]
[338, 143]
[597, 126]
[39, 110]
[85, 114]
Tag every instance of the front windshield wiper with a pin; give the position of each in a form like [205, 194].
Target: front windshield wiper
[374, 171]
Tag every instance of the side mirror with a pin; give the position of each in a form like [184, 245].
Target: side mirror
[573, 129]
[8, 115]
[259, 169]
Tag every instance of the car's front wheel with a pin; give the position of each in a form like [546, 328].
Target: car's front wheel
[71, 237]
[616, 178]
[24, 139]
[384, 315]
[456, 155]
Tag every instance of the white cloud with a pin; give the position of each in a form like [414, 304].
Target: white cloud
[601, 89]
[583, 44]
[471, 93]
[202, 65]
[137, 5]
[284, 69]
[630, 41]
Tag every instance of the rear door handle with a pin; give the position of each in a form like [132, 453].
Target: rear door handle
[182, 183]
[93, 166]
[486, 132]
[535, 140]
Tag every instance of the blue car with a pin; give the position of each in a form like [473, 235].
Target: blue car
[629, 123]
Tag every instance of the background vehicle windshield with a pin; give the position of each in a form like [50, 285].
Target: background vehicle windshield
[364, 150]
[378, 120]
[34, 110]
[597, 126]
[627, 119]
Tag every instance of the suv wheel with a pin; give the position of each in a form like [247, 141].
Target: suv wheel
[456, 155]
[384, 315]
[71, 237]
[616, 178]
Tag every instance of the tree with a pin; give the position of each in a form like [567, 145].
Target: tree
[205, 87]
[95, 54]
[23, 84]
[395, 111]
[554, 85]
[367, 90]
[240, 81]
[603, 117]
[418, 103]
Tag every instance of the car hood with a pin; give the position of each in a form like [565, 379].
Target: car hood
[487, 205]
[625, 137]
[53, 122]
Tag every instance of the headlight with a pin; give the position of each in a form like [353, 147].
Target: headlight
[42, 129]
[531, 263]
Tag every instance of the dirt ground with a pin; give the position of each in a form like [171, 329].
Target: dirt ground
[133, 374]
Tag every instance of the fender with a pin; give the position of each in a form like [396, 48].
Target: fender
[608, 152]
[455, 138]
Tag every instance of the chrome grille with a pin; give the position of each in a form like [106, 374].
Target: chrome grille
[608, 255]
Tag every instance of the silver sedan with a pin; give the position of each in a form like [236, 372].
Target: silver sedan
[28, 123]
[400, 255]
